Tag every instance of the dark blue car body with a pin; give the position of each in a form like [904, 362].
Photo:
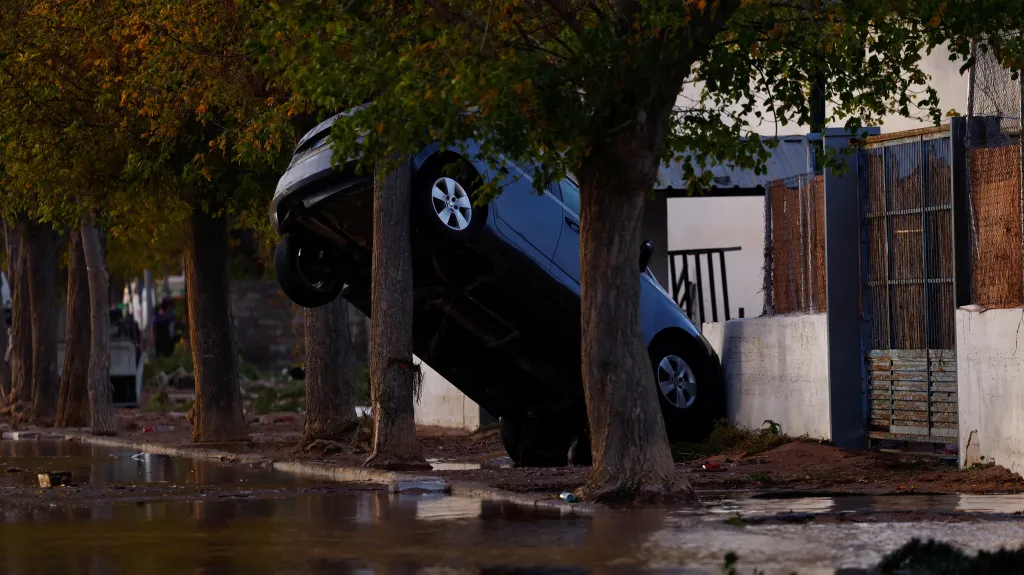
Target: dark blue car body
[499, 317]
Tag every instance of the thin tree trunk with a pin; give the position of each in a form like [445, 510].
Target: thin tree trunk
[216, 415]
[73, 407]
[101, 392]
[5, 366]
[41, 256]
[392, 372]
[632, 457]
[20, 397]
[330, 373]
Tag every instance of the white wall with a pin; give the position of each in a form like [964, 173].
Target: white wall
[442, 405]
[776, 368]
[700, 223]
[990, 387]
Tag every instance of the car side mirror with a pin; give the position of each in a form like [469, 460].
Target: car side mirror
[646, 252]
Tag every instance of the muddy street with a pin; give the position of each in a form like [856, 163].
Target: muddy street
[127, 512]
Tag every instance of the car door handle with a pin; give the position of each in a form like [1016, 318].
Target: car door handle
[572, 224]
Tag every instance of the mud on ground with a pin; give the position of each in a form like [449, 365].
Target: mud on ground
[789, 466]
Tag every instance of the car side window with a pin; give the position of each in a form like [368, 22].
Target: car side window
[570, 196]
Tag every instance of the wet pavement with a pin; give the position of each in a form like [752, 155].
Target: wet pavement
[185, 516]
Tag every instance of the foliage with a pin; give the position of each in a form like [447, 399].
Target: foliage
[730, 439]
[933, 558]
[547, 80]
[136, 111]
[160, 402]
[291, 397]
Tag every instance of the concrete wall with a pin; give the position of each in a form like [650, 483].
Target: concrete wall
[990, 387]
[442, 405]
[776, 368]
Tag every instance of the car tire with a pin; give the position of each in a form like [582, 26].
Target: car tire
[689, 389]
[443, 202]
[292, 256]
[531, 443]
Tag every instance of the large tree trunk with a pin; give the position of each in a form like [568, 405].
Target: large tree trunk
[330, 373]
[392, 372]
[73, 407]
[20, 397]
[216, 415]
[632, 457]
[41, 255]
[101, 392]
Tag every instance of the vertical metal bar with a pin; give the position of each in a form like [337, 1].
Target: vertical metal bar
[711, 284]
[887, 191]
[802, 260]
[674, 278]
[700, 287]
[686, 286]
[769, 304]
[1020, 147]
[725, 284]
[890, 324]
[960, 217]
[923, 179]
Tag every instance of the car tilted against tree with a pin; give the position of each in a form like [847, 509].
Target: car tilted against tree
[496, 289]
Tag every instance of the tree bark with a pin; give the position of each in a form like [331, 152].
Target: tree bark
[216, 415]
[101, 392]
[392, 372]
[41, 257]
[73, 406]
[632, 457]
[330, 373]
[21, 320]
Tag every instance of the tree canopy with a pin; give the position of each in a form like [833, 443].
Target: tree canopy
[546, 79]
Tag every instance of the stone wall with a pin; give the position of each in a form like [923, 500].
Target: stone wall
[267, 332]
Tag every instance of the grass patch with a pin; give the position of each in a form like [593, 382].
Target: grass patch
[291, 397]
[160, 402]
[727, 438]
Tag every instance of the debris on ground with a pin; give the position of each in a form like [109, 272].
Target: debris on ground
[55, 479]
[14, 470]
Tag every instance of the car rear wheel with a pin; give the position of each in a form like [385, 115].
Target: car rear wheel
[443, 200]
[688, 389]
[308, 271]
[533, 441]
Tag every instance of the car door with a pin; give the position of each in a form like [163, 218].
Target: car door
[567, 255]
[532, 220]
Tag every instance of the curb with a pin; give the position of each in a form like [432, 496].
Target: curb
[396, 481]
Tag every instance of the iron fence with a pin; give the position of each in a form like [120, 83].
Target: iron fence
[794, 269]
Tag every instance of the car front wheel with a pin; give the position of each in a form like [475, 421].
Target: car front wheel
[308, 273]
[688, 388]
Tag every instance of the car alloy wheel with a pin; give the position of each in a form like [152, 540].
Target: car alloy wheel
[677, 382]
[451, 204]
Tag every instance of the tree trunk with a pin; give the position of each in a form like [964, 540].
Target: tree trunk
[20, 397]
[632, 457]
[73, 407]
[41, 256]
[101, 392]
[216, 415]
[330, 373]
[392, 372]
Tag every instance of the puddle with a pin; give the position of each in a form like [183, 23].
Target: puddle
[452, 465]
[309, 532]
[100, 467]
[751, 507]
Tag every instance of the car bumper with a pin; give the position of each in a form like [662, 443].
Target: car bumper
[302, 174]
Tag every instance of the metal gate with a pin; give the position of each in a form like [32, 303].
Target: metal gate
[908, 295]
